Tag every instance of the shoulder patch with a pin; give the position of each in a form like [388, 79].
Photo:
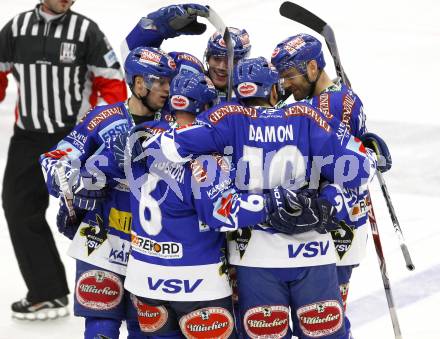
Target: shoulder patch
[223, 111]
[103, 115]
[324, 105]
[307, 111]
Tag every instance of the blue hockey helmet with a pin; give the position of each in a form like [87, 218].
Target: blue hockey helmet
[186, 62]
[191, 92]
[296, 51]
[217, 46]
[150, 63]
[254, 78]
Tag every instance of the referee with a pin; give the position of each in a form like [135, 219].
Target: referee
[63, 65]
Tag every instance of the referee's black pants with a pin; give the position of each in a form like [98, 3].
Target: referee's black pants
[25, 200]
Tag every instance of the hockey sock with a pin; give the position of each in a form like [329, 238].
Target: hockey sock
[101, 328]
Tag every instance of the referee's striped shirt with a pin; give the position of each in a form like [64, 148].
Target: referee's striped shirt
[58, 65]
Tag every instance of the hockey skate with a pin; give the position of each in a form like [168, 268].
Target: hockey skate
[51, 309]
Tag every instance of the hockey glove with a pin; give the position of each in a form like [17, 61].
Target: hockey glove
[175, 20]
[300, 211]
[378, 145]
[133, 140]
[87, 192]
[65, 224]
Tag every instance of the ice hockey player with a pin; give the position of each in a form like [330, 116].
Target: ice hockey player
[272, 147]
[300, 61]
[174, 228]
[101, 239]
[175, 20]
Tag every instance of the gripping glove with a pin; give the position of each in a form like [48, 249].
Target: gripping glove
[175, 20]
[378, 145]
[298, 212]
[65, 225]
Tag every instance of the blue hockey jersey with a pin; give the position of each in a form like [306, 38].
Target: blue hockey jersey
[103, 237]
[339, 104]
[177, 252]
[270, 147]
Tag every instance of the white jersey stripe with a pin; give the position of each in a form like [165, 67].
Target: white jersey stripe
[35, 29]
[22, 89]
[76, 84]
[58, 31]
[56, 96]
[34, 100]
[84, 26]
[72, 25]
[67, 98]
[27, 16]
[46, 116]
[15, 26]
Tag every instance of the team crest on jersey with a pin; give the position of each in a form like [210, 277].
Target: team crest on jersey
[241, 237]
[67, 52]
[342, 238]
[247, 89]
[150, 318]
[271, 321]
[179, 102]
[95, 234]
[321, 318]
[208, 322]
[99, 290]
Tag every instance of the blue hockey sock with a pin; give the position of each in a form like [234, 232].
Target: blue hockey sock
[101, 328]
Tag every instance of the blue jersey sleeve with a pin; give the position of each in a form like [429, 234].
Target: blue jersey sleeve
[211, 133]
[142, 36]
[86, 139]
[351, 204]
[216, 200]
[340, 158]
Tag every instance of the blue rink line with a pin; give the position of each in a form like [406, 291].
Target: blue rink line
[405, 292]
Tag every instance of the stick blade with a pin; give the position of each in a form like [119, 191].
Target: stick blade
[303, 16]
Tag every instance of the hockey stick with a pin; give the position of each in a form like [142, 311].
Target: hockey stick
[396, 224]
[383, 271]
[220, 26]
[305, 17]
[65, 190]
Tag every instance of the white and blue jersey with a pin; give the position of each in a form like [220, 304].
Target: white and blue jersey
[177, 251]
[270, 147]
[103, 237]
